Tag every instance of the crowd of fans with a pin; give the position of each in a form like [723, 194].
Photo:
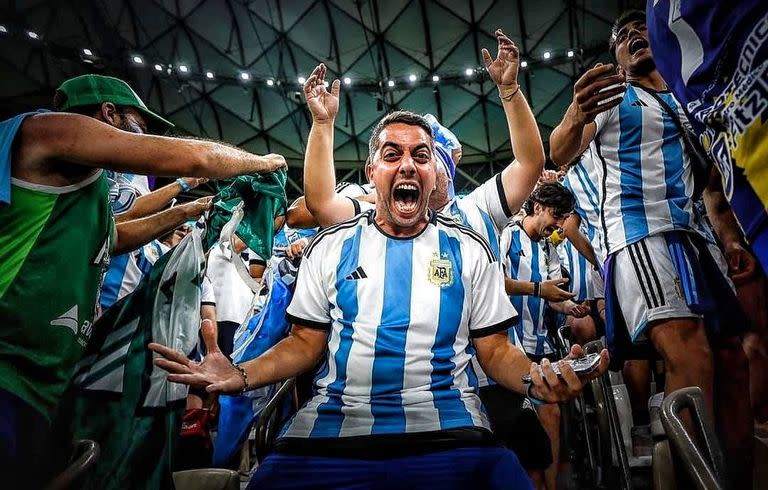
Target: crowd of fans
[416, 311]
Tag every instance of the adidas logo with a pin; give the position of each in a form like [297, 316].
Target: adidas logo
[68, 319]
[639, 103]
[358, 273]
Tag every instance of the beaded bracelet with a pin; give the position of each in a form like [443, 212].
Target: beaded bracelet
[243, 374]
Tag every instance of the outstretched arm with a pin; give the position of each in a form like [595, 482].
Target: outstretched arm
[157, 200]
[86, 141]
[321, 200]
[520, 176]
[293, 355]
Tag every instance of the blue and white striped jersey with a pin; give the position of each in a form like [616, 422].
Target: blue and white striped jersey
[401, 313]
[646, 175]
[484, 210]
[126, 271]
[534, 261]
[583, 180]
[579, 270]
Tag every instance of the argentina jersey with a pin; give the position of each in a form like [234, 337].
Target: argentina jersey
[583, 180]
[126, 271]
[646, 176]
[579, 270]
[401, 313]
[485, 210]
[533, 261]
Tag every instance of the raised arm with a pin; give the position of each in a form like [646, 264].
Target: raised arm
[86, 141]
[520, 176]
[321, 200]
[579, 241]
[293, 355]
[595, 92]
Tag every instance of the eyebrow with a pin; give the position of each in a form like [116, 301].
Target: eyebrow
[626, 27]
[400, 148]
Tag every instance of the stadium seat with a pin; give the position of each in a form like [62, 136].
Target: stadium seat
[267, 425]
[206, 479]
[705, 467]
[85, 454]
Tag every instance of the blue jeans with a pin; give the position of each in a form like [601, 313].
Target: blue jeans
[471, 467]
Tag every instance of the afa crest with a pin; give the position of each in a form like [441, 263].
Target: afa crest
[440, 271]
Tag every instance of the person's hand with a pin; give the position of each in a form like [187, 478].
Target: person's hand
[272, 162]
[549, 176]
[549, 387]
[193, 182]
[742, 265]
[587, 96]
[503, 70]
[195, 209]
[322, 104]
[215, 373]
[551, 291]
[577, 310]
[295, 249]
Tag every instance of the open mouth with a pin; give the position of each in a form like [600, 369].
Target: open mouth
[637, 44]
[406, 198]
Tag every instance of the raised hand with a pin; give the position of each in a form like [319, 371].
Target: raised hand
[598, 90]
[215, 373]
[322, 104]
[549, 387]
[550, 290]
[503, 69]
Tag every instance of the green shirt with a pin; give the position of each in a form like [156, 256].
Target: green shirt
[54, 246]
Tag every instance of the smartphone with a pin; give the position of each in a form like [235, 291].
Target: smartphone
[581, 366]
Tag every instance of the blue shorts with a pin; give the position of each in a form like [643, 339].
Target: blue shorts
[471, 467]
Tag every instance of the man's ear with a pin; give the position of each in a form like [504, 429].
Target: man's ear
[369, 171]
[109, 113]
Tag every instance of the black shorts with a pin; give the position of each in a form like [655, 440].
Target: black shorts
[515, 424]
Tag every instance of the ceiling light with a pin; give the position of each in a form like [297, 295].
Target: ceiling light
[435, 78]
[209, 75]
[245, 76]
[347, 81]
[138, 60]
[547, 55]
[3, 29]
[159, 67]
[570, 53]
[411, 77]
[469, 71]
[87, 52]
[33, 35]
[523, 64]
[184, 68]
[391, 83]
[302, 80]
[270, 82]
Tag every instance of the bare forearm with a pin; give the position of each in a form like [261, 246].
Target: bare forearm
[565, 142]
[722, 218]
[579, 241]
[518, 288]
[137, 233]
[319, 174]
[150, 203]
[524, 133]
[505, 364]
[290, 357]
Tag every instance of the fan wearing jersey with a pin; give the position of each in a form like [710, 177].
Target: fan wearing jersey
[663, 282]
[393, 303]
[489, 207]
[530, 258]
[56, 235]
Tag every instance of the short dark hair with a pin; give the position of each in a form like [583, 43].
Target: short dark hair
[402, 117]
[625, 18]
[551, 195]
[60, 98]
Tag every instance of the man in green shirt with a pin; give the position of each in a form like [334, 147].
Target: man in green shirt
[57, 232]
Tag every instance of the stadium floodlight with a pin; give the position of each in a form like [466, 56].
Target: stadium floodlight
[411, 78]
[158, 67]
[435, 78]
[302, 80]
[570, 53]
[523, 64]
[391, 83]
[469, 71]
[245, 76]
[137, 60]
[33, 35]
[87, 52]
[270, 82]
[209, 75]
[347, 81]
[547, 55]
[3, 29]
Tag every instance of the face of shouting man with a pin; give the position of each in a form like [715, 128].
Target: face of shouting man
[403, 170]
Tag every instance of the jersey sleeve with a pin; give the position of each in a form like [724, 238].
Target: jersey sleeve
[491, 309]
[207, 296]
[310, 306]
[602, 118]
[491, 198]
